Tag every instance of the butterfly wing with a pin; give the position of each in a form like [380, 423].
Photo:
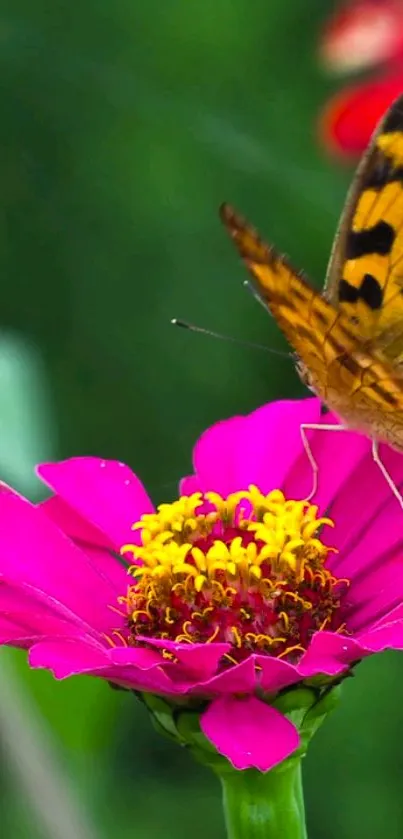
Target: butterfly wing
[365, 274]
[359, 385]
[315, 329]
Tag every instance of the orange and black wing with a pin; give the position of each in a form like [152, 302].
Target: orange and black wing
[365, 274]
[318, 333]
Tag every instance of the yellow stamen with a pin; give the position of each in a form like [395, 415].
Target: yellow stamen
[248, 570]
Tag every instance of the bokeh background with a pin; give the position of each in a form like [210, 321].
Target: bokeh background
[123, 126]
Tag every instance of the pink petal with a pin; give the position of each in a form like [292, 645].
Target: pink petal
[72, 524]
[395, 615]
[11, 635]
[271, 441]
[15, 596]
[106, 493]
[26, 615]
[36, 605]
[113, 571]
[154, 680]
[329, 654]
[259, 448]
[336, 453]
[34, 626]
[361, 500]
[200, 660]
[241, 678]
[373, 564]
[34, 552]
[248, 732]
[214, 455]
[71, 658]
[189, 485]
[389, 636]
[374, 595]
[89, 539]
[137, 656]
[68, 657]
[275, 674]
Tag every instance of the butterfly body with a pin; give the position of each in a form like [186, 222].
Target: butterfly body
[348, 339]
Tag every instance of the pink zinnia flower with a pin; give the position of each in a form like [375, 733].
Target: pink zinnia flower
[232, 594]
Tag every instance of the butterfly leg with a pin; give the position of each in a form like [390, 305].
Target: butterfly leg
[312, 426]
[385, 473]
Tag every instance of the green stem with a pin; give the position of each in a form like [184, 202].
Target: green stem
[264, 805]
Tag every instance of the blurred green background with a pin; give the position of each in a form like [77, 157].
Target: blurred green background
[123, 126]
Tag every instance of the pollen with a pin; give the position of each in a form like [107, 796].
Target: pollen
[248, 570]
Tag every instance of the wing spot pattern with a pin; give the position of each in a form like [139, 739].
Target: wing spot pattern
[369, 291]
[378, 239]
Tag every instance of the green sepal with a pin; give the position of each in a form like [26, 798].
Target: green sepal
[162, 715]
[307, 708]
[188, 727]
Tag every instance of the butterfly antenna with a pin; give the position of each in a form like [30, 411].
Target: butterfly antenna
[183, 324]
[251, 288]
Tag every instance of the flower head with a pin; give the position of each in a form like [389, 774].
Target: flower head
[247, 570]
[224, 598]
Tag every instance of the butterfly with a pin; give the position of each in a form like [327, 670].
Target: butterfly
[347, 340]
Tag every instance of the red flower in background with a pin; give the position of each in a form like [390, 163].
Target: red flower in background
[361, 34]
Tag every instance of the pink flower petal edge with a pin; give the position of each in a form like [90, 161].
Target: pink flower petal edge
[106, 493]
[248, 732]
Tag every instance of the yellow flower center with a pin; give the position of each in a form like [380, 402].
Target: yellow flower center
[248, 570]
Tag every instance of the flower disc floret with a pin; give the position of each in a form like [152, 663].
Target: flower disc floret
[248, 570]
